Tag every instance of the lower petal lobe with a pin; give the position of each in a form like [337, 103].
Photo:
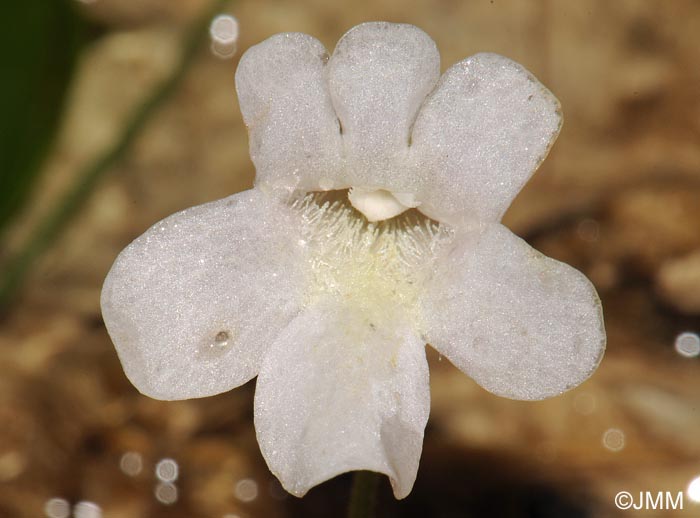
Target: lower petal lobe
[522, 325]
[338, 392]
[193, 303]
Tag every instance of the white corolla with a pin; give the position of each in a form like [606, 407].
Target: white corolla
[373, 229]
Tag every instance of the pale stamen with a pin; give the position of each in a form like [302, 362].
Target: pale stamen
[379, 204]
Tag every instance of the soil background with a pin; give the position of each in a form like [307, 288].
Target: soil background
[618, 198]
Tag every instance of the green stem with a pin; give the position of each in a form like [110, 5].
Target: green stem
[17, 267]
[364, 494]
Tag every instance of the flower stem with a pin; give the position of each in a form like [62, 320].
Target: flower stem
[55, 221]
[364, 494]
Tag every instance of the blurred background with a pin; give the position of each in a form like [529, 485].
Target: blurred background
[113, 118]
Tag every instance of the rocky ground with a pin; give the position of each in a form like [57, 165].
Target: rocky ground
[619, 198]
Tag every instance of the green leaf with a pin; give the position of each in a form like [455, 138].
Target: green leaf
[39, 43]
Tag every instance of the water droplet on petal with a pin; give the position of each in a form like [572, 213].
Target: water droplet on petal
[216, 345]
[221, 339]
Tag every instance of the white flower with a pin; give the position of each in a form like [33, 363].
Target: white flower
[332, 311]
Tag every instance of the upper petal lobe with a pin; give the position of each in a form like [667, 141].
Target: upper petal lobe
[379, 74]
[479, 137]
[294, 132]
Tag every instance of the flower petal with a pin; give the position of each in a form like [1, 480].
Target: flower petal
[336, 393]
[193, 303]
[379, 74]
[522, 325]
[293, 130]
[480, 135]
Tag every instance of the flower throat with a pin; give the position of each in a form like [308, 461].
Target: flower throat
[381, 266]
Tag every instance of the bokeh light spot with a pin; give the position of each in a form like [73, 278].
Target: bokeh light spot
[131, 463]
[166, 493]
[688, 344]
[224, 36]
[614, 439]
[87, 510]
[57, 508]
[246, 490]
[694, 490]
[167, 470]
[588, 230]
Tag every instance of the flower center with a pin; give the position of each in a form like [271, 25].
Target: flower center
[379, 267]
